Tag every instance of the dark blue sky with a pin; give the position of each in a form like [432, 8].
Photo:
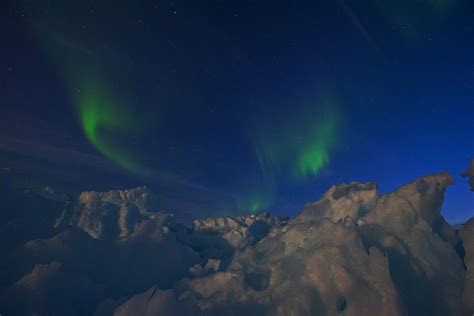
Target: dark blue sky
[208, 88]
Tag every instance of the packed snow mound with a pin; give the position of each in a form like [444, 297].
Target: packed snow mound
[470, 174]
[109, 215]
[353, 252]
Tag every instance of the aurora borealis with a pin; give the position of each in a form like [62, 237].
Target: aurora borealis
[315, 157]
[104, 118]
[242, 107]
[301, 144]
[98, 115]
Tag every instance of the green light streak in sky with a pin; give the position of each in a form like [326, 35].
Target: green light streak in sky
[299, 145]
[295, 145]
[103, 122]
[256, 206]
[313, 161]
[106, 124]
[314, 156]
[256, 202]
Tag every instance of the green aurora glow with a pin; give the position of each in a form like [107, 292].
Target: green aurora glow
[103, 121]
[300, 146]
[106, 123]
[257, 201]
[297, 147]
[314, 155]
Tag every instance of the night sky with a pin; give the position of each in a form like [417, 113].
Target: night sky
[231, 107]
